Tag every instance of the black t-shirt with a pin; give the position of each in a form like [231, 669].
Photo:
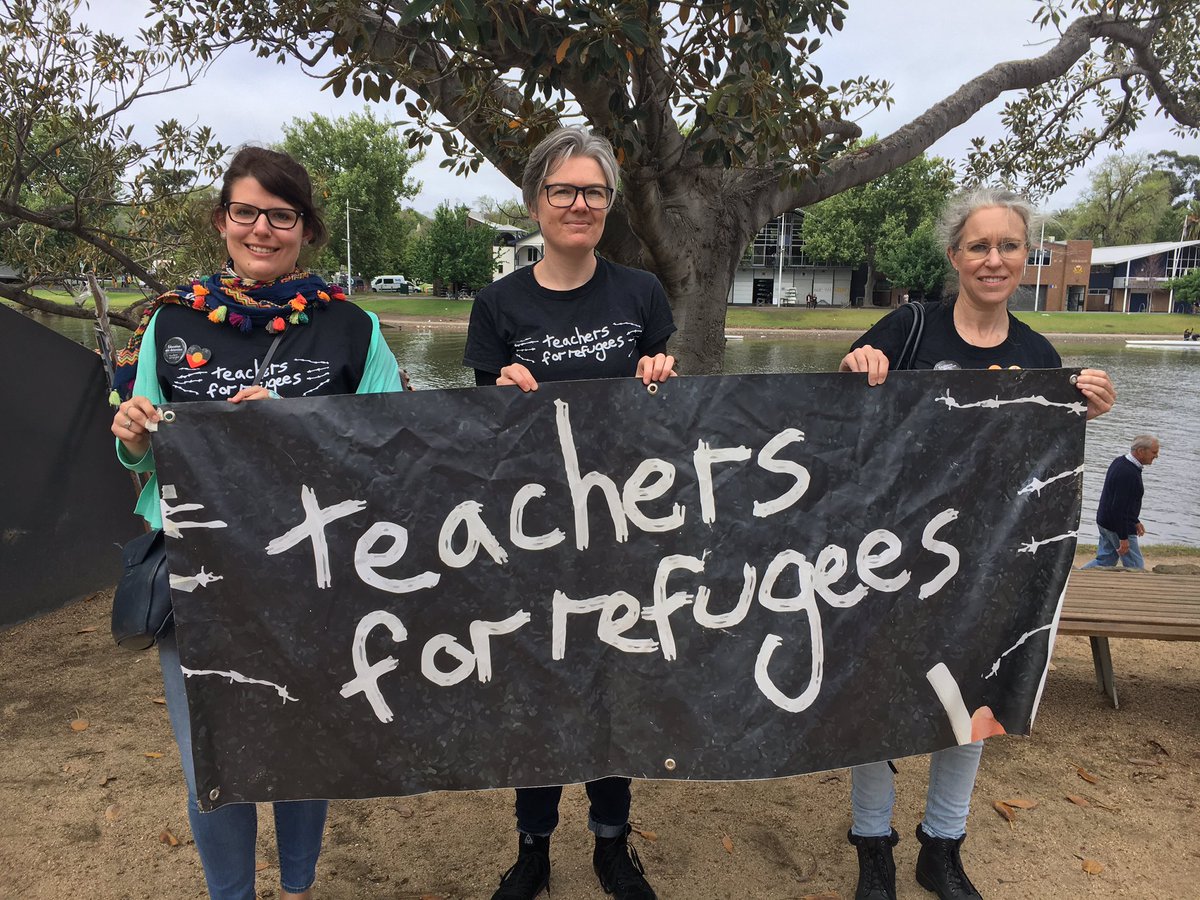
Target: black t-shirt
[598, 330]
[941, 342]
[326, 356]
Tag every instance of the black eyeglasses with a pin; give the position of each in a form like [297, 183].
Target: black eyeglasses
[596, 196]
[280, 217]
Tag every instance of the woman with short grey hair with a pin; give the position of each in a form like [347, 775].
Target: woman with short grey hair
[986, 236]
[573, 315]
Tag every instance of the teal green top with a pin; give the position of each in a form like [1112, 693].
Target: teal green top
[380, 376]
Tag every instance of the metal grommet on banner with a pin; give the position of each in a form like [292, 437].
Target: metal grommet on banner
[1074, 378]
[652, 388]
[214, 794]
[168, 416]
[669, 764]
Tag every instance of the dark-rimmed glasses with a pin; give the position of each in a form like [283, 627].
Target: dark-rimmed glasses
[280, 217]
[980, 249]
[596, 196]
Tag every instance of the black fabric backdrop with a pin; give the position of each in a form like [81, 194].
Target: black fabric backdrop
[66, 504]
[982, 467]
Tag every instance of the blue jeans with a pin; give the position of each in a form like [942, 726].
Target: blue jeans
[225, 837]
[1107, 555]
[537, 808]
[947, 801]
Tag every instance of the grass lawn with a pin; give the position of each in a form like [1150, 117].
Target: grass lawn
[1048, 323]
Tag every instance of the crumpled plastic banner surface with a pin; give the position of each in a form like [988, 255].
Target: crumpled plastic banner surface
[733, 577]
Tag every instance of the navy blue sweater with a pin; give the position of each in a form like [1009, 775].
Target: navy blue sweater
[1121, 498]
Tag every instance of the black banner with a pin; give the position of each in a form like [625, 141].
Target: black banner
[66, 504]
[724, 578]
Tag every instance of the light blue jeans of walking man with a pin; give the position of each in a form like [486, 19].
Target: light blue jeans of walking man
[1107, 552]
[225, 837]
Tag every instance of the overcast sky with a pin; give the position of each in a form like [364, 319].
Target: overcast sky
[926, 48]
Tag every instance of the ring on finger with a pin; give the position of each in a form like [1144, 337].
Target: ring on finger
[128, 422]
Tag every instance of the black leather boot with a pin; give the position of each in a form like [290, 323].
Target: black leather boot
[940, 868]
[530, 874]
[876, 867]
[620, 871]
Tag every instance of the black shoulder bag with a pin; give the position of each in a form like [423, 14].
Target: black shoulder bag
[141, 610]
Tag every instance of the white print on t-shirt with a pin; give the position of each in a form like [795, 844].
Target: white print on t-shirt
[595, 344]
[221, 382]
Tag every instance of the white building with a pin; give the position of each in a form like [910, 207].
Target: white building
[775, 272]
[503, 245]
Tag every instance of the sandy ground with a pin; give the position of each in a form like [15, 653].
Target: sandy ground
[88, 812]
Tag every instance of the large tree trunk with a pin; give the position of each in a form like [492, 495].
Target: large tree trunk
[692, 240]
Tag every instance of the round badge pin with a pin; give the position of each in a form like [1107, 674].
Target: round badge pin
[174, 350]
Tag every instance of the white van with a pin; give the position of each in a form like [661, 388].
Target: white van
[384, 283]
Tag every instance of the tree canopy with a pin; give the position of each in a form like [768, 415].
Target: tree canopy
[1128, 201]
[360, 161]
[451, 250]
[850, 227]
[80, 192]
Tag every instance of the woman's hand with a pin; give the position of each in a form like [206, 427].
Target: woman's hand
[656, 368]
[130, 425]
[519, 375]
[1099, 391]
[866, 359]
[256, 392]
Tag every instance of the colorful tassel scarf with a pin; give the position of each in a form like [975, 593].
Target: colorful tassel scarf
[226, 298]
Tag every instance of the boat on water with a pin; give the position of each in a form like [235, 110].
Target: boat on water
[1177, 343]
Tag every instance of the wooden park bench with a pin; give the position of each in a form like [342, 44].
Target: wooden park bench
[1104, 603]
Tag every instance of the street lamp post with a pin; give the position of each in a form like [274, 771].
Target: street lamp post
[349, 271]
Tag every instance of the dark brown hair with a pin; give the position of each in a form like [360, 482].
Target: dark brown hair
[280, 175]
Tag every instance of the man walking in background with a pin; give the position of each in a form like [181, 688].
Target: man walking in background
[1121, 504]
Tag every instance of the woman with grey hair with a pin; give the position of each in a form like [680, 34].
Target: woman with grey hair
[572, 315]
[986, 234]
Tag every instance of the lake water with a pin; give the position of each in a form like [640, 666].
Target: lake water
[1159, 393]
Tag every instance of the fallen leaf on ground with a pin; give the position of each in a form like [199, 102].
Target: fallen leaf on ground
[1086, 775]
[161, 701]
[167, 838]
[1134, 761]
[1092, 867]
[1006, 811]
[727, 843]
[404, 812]
[651, 836]
[261, 865]
[79, 724]
[1077, 800]
[153, 754]
[1159, 748]
[112, 812]
[1021, 803]
[88, 629]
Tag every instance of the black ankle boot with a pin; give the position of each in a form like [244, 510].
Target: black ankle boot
[620, 871]
[940, 868]
[876, 867]
[530, 874]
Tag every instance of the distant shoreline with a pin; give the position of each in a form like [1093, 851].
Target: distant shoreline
[432, 323]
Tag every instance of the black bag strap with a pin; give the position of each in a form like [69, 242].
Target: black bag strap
[916, 331]
[262, 368]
